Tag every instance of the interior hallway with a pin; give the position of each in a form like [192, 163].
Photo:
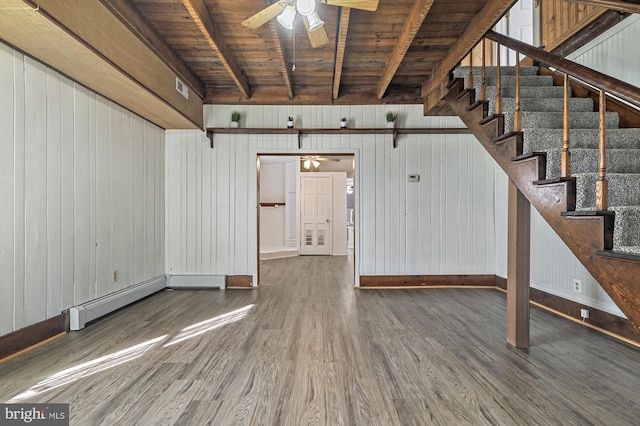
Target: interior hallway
[306, 348]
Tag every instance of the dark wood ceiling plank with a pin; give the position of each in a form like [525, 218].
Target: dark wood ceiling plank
[341, 42]
[412, 25]
[284, 67]
[492, 11]
[200, 14]
[130, 16]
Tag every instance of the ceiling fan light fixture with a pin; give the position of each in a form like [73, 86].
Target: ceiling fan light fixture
[307, 164]
[306, 7]
[314, 21]
[316, 163]
[286, 17]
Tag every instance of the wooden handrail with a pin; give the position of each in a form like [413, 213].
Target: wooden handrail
[619, 88]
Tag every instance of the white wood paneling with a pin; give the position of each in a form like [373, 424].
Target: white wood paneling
[7, 185]
[610, 53]
[70, 212]
[339, 214]
[401, 227]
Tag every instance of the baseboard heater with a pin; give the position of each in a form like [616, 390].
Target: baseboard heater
[82, 314]
[197, 281]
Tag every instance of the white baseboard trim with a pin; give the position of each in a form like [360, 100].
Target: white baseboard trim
[81, 314]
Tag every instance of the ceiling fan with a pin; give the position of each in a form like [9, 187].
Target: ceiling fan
[285, 10]
[308, 160]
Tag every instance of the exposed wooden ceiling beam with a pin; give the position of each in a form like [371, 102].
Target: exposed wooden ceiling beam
[284, 67]
[131, 16]
[412, 25]
[341, 42]
[484, 21]
[200, 14]
[622, 6]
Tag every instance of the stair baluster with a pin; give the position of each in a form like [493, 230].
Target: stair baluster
[517, 116]
[483, 87]
[498, 83]
[566, 154]
[471, 69]
[602, 186]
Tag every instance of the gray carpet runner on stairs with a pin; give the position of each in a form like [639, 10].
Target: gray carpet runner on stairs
[541, 107]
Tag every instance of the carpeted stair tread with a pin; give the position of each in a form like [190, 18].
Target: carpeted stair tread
[542, 121]
[635, 250]
[542, 139]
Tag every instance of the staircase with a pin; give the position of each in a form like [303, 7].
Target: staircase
[607, 243]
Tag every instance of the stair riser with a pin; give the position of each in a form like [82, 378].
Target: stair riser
[525, 81]
[624, 190]
[544, 105]
[543, 139]
[627, 227]
[547, 120]
[546, 92]
[462, 72]
[586, 161]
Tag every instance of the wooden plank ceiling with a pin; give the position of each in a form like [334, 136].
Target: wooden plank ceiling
[370, 57]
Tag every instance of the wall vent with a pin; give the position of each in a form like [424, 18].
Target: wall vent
[182, 88]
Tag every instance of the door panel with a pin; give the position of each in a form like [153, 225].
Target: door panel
[315, 215]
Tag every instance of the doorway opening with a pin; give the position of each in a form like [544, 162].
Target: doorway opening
[306, 206]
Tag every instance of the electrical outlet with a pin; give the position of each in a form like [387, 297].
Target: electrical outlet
[115, 275]
[577, 285]
[584, 313]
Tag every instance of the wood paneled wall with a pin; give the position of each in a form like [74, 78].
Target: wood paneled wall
[81, 194]
[442, 225]
[560, 19]
[610, 53]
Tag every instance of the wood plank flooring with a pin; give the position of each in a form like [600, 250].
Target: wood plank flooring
[307, 348]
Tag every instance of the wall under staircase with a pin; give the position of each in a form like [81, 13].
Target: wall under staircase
[532, 160]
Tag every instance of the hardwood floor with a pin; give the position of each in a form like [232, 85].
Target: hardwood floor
[307, 348]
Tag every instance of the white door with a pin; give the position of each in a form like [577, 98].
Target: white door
[315, 215]
[518, 24]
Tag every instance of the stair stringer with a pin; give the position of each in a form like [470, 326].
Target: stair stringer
[584, 234]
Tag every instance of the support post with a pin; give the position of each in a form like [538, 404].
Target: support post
[518, 268]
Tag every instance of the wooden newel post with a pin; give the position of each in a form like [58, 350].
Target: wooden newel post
[602, 186]
[566, 154]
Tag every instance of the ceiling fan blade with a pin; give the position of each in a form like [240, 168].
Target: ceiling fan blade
[327, 159]
[317, 37]
[264, 15]
[370, 5]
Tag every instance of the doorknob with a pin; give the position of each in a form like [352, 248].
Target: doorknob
[327, 220]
